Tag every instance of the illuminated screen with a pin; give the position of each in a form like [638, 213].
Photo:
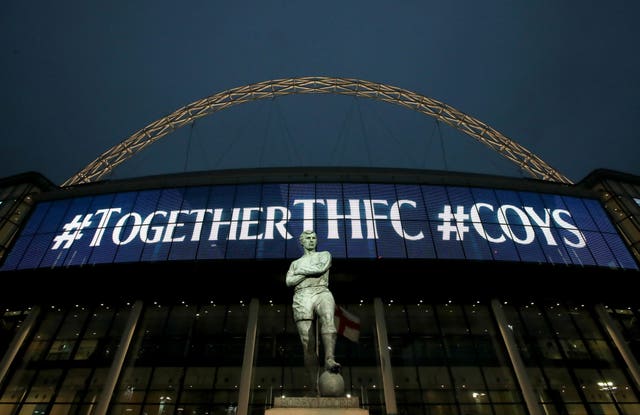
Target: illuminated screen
[351, 220]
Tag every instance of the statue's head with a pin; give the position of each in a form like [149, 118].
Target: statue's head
[308, 240]
[305, 233]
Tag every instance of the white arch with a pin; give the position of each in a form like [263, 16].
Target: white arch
[513, 151]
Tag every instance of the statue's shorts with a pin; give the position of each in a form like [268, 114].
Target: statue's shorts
[315, 300]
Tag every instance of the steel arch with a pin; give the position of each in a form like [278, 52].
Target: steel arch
[513, 151]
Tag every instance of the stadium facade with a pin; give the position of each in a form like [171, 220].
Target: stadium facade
[474, 294]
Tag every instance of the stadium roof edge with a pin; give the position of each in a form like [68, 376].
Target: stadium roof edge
[28, 177]
[318, 175]
[600, 174]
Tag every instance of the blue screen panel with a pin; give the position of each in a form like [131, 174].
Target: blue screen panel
[530, 249]
[486, 205]
[107, 249]
[580, 215]
[580, 256]
[531, 199]
[447, 240]
[507, 197]
[147, 202]
[383, 193]
[352, 220]
[21, 245]
[271, 248]
[222, 222]
[410, 204]
[274, 197]
[475, 246]
[330, 236]
[555, 252]
[419, 243]
[38, 214]
[129, 240]
[55, 213]
[293, 248]
[99, 205]
[553, 202]
[37, 249]
[361, 248]
[212, 249]
[359, 225]
[248, 195]
[358, 211]
[52, 257]
[78, 206]
[435, 199]
[125, 201]
[329, 201]
[460, 215]
[245, 249]
[390, 243]
[460, 196]
[383, 215]
[503, 247]
[171, 199]
[303, 203]
[600, 217]
[163, 224]
[184, 250]
[78, 255]
[621, 252]
[158, 251]
[600, 249]
[537, 213]
[195, 198]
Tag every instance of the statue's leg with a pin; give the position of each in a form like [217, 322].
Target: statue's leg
[306, 331]
[326, 312]
[329, 343]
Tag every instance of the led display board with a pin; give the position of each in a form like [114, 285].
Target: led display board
[352, 220]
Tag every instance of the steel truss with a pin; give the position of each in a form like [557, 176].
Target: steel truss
[513, 151]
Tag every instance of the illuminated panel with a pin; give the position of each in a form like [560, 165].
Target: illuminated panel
[275, 219]
[413, 215]
[192, 215]
[352, 220]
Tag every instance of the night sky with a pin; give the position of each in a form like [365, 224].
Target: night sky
[560, 78]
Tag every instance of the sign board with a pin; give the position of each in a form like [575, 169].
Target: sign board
[352, 220]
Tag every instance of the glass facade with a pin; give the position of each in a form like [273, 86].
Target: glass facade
[16, 201]
[620, 196]
[446, 358]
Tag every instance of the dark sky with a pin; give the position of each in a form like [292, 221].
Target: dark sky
[560, 78]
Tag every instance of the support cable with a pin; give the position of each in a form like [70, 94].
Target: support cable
[364, 135]
[442, 146]
[186, 156]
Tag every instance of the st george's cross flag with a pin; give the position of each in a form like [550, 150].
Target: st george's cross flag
[347, 324]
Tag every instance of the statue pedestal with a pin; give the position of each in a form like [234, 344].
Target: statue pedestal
[316, 406]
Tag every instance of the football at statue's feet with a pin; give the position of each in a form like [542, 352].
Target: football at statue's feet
[331, 384]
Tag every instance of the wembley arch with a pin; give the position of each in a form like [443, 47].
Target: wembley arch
[480, 131]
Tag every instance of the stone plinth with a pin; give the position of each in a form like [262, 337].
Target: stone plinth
[316, 402]
[316, 406]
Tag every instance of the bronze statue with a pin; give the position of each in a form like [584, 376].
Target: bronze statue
[309, 276]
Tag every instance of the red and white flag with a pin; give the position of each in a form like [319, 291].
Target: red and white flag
[347, 324]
